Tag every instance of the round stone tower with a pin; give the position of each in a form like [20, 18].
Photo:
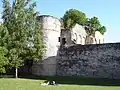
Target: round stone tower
[51, 28]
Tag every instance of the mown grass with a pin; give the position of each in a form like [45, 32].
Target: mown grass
[66, 83]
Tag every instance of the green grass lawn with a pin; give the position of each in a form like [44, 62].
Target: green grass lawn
[66, 83]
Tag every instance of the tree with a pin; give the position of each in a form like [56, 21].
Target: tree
[102, 29]
[6, 11]
[92, 25]
[23, 30]
[3, 51]
[73, 16]
[3, 60]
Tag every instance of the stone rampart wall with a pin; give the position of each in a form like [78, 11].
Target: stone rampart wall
[96, 60]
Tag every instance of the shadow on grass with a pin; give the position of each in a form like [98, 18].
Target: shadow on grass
[6, 76]
[73, 80]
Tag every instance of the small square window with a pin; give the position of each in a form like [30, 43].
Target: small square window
[58, 39]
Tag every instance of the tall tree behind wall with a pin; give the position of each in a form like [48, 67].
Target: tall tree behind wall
[73, 16]
[93, 24]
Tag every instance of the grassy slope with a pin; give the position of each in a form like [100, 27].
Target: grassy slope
[66, 84]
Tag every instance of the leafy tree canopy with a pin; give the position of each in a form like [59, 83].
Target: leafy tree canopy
[73, 16]
[24, 36]
[3, 50]
[93, 24]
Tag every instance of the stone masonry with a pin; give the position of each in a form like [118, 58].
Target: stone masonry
[51, 28]
[77, 59]
[95, 60]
